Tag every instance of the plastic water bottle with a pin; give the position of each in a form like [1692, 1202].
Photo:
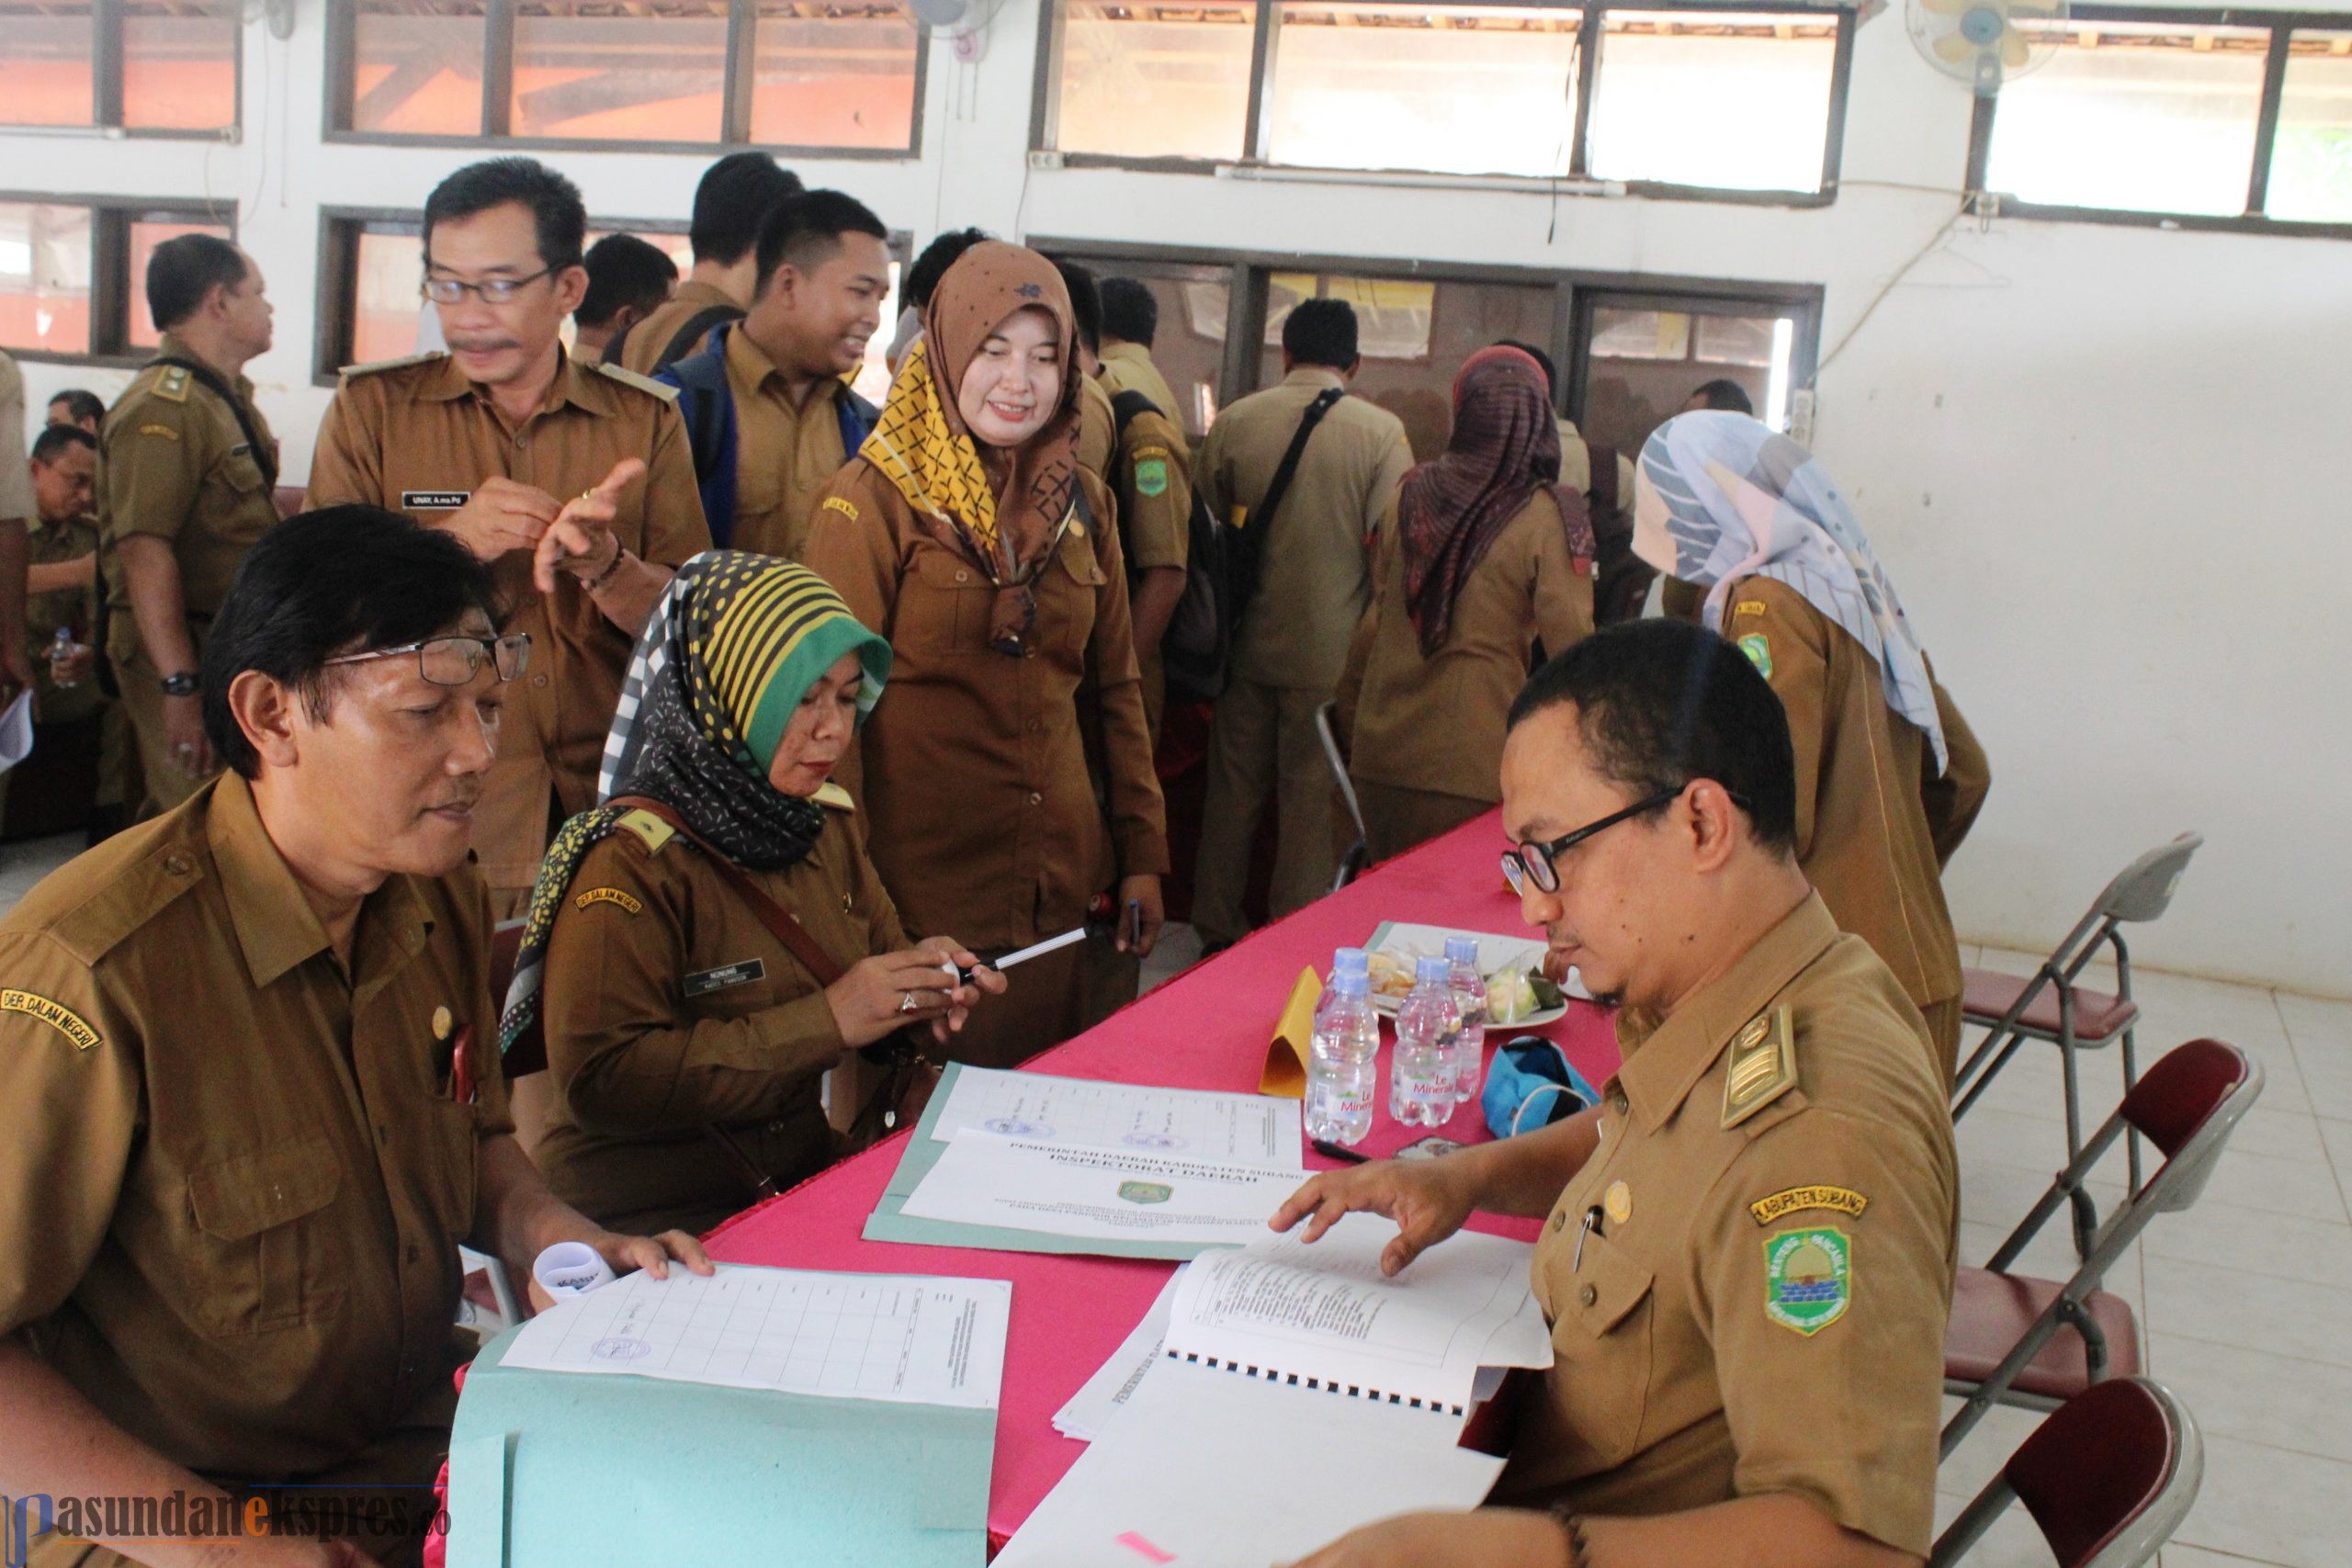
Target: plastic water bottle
[1343, 1063]
[61, 647]
[1470, 1001]
[1421, 1084]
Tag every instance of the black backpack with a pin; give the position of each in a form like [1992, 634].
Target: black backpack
[1200, 632]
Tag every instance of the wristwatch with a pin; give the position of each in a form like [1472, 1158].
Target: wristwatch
[180, 685]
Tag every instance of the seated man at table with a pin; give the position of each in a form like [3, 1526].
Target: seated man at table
[250, 1097]
[1749, 1250]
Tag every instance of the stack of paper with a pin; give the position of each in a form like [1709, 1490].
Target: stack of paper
[1091, 1407]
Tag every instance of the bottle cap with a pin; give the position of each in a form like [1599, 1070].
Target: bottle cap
[1462, 950]
[1351, 983]
[1431, 969]
[1349, 961]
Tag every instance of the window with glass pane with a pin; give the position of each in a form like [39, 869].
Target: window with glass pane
[417, 67]
[1698, 99]
[179, 64]
[2140, 116]
[146, 233]
[2311, 162]
[620, 70]
[833, 77]
[387, 266]
[46, 49]
[1644, 362]
[44, 277]
[1466, 90]
[1153, 81]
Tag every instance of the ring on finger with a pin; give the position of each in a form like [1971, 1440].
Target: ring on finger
[906, 1001]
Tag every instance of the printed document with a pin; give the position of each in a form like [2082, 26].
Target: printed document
[1101, 1194]
[1244, 1129]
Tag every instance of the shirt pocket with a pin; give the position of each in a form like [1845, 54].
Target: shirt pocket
[264, 1256]
[1068, 591]
[1603, 1335]
[943, 603]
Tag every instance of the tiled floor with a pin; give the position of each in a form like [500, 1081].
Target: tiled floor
[2245, 1302]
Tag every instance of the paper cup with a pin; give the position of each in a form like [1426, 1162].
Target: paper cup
[571, 1268]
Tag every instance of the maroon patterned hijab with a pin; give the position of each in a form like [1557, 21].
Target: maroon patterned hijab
[1506, 445]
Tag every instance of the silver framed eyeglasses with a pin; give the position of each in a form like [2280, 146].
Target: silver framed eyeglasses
[489, 291]
[1533, 862]
[456, 661]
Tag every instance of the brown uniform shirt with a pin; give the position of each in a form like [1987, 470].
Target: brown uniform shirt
[1128, 368]
[1095, 429]
[175, 463]
[784, 454]
[981, 810]
[1151, 474]
[1436, 723]
[233, 1179]
[1576, 464]
[1757, 1307]
[1315, 574]
[670, 1007]
[646, 340]
[1863, 837]
[416, 436]
[75, 609]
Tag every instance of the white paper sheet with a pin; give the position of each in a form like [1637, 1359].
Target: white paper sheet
[1204, 1468]
[1245, 1129]
[1114, 1381]
[16, 731]
[902, 1337]
[1323, 1316]
[1105, 1194]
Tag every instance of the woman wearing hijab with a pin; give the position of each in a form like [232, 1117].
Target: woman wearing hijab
[1486, 553]
[711, 938]
[1889, 776]
[1009, 786]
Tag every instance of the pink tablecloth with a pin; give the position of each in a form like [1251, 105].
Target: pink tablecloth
[1206, 1029]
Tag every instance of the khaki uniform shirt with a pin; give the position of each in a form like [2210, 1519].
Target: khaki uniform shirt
[1436, 723]
[981, 809]
[1096, 429]
[646, 340]
[1863, 837]
[416, 436]
[1152, 477]
[174, 463]
[783, 455]
[1575, 465]
[233, 1179]
[75, 609]
[1314, 575]
[17, 501]
[671, 1008]
[1128, 368]
[1758, 1304]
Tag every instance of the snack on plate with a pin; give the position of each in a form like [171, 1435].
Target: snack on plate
[1391, 975]
[1514, 995]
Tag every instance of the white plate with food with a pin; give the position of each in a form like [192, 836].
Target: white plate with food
[1518, 995]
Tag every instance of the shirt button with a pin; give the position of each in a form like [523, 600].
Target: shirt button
[1560, 1222]
[963, 577]
[1617, 1102]
[1036, 799]
[539, 680]
[178, 864]
[1587, 1295]
[521, 442]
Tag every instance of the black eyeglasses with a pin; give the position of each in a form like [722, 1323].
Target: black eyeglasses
[1534, 862]
[456, 661]
[490, 291]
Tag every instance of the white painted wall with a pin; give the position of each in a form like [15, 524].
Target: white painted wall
[2105, 464]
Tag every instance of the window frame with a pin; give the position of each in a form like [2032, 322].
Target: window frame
[107, 63]
[498, 74]
[2282, 26]
[1265, 47]
[111, 301]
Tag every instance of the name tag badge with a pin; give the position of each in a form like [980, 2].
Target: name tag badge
[433, 499]
[727, 976]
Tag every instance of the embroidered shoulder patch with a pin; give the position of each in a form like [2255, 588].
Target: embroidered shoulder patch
[58, 1016]
[1808, 1279]
[1151, 476]
[841, 504]
[165, 431]
[1790, 1199]
[1748, 608]
[1758, 651]
[609, 896]
[1763, 1066]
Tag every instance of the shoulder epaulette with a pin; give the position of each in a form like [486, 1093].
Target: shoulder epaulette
[376, 367]
[646, 384]
[832, 794]
[648, 827]
[1763, 1066]
[172, 384]
[118, 906]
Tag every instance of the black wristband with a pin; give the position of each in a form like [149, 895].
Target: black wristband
[183, 684]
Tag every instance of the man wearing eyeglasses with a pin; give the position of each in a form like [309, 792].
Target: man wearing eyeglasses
[250, 1088]
[1747, 1249]
[574, 481]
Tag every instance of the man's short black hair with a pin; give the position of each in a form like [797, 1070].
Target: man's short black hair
[80, 405]
[1660, 703]
[184, 269]
[51, 443]
[1130, 309]
[1725, 395]
[806, 231]
[1085, 303]
[559, 218]
[734, 198]
[342, 579]
[1542, 360]
[624, 270]
[931, 266]
[1321, 331]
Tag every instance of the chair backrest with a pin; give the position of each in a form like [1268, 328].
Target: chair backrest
[2187, 1105]
[1338, 764]
[2143, 890]
[2110, 1475]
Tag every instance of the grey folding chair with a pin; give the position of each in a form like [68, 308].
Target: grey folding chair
[2049, 1005]
[1358, 852]
[2013, 1339]
[2106, 1479]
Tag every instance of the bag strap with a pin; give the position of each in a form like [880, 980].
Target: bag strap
[780, 922]
[1324, 403]
[263, 457]
[697, 326]
[1124, 409]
